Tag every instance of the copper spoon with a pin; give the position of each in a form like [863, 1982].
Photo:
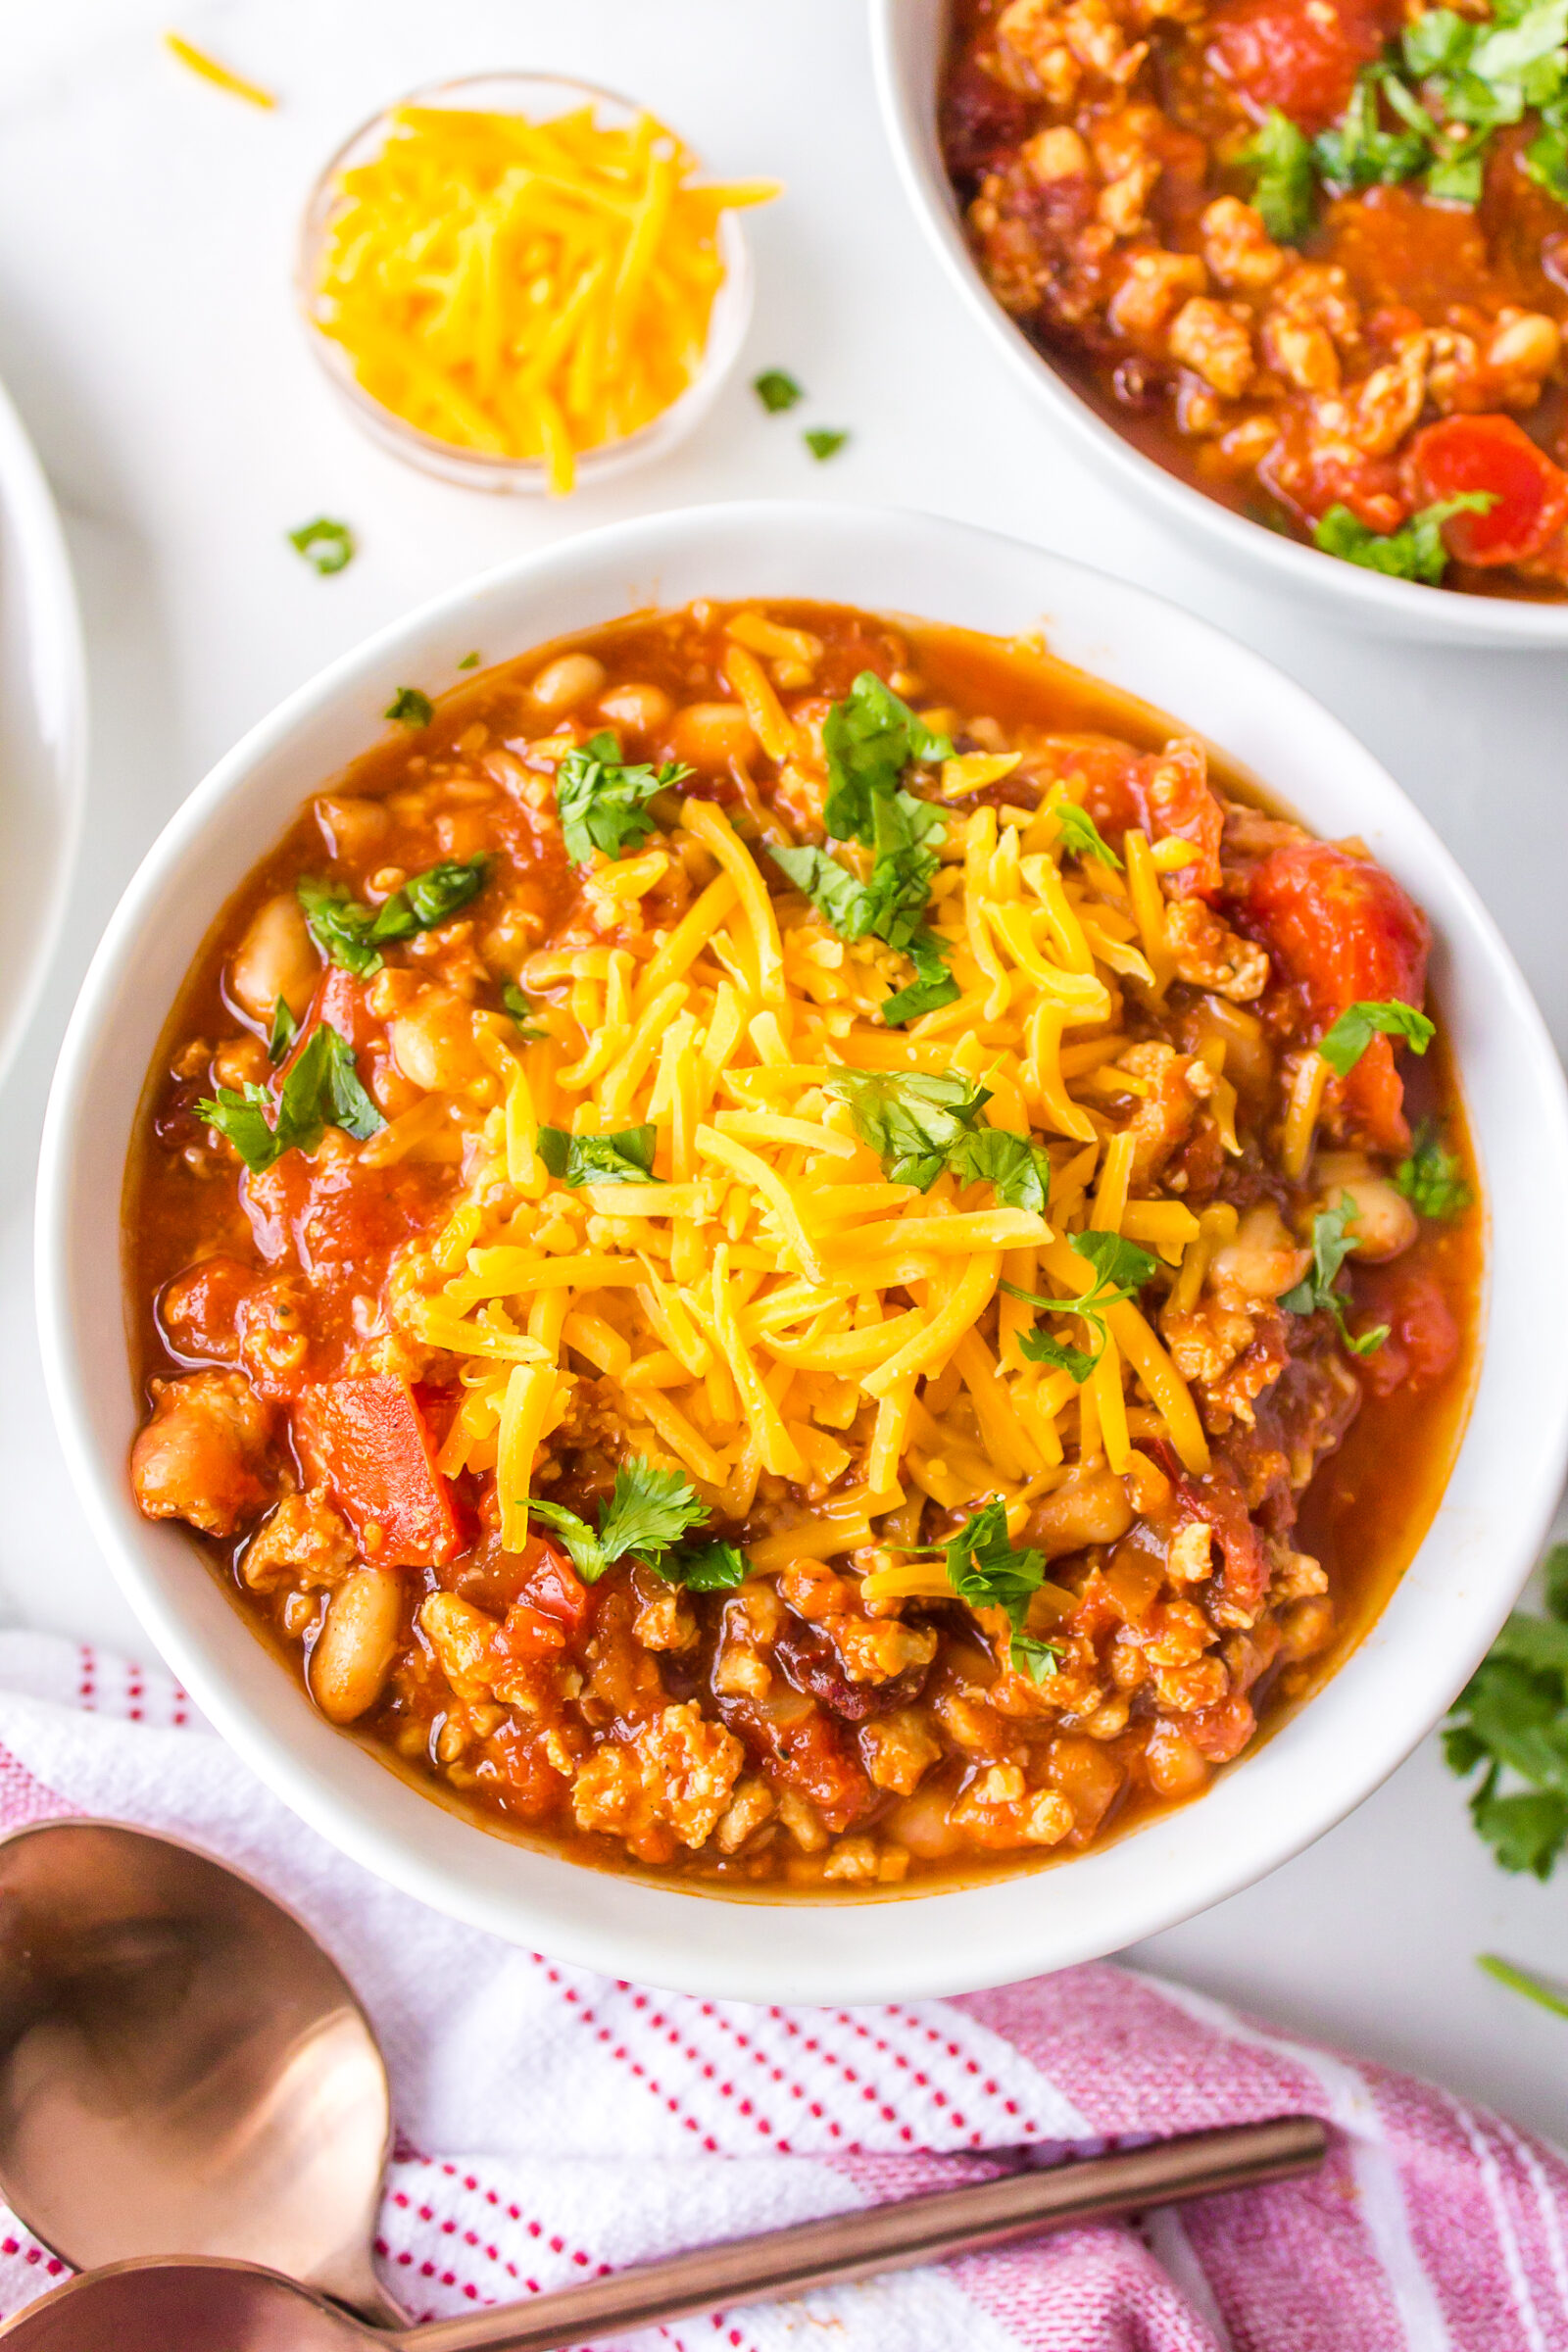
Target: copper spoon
[229, 2307]
[182, 2069]
[183, 2072]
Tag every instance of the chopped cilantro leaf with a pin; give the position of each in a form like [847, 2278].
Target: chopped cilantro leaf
[624, 1157]
[1286, 191]
[1432, 1179]
[410, 707]
[352, 934]
[340, 926]
[1318, 1290]
[326, 545]
[891, 905]
[932, 986]
[1082, 835]
[320, 1090]
[702, 1567]
[1342, 1044]
[984, 1570]
[776, 391]
[517, 1004]
[284, 1030]
[470, 660]
[602, 800]
[1512, 1719]
[823, 441]
[1121, 1264]
[870, 737]
[649, 1511]
[1358, 152]
[1019, 1170]
[586, 1552]
[911, 1119]
[1040, 1349]
[1416, 551]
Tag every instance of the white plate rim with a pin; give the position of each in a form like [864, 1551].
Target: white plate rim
[54, 662]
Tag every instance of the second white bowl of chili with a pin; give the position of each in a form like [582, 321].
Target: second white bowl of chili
[806, 1932]
[1358, 385]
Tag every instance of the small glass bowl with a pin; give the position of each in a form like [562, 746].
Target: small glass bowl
[539, 96]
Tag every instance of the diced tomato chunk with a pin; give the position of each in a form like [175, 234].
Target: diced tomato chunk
[1423, 1336]
[553, 1586]
[527, 1632]
[1491, 454]
[339, 1001]
[1218, 1499]
[369, 1441]
[1304, 60]
[1174, 790]
[1345, 933]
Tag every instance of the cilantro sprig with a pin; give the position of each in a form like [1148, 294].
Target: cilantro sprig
[321, 1089]
[626, 1156]
[1416, 551]
[919, 1123]
[985, 1570]
[1121, 1270]
[353, 935]
[1427, 111]
[870, 737]
[1510, 1723]
[1344, 1042]
[649, 1511]
[1318, 1290]
[1432, 1178]
[603, 800]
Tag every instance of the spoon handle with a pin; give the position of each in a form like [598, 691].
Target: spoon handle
[888, 2237]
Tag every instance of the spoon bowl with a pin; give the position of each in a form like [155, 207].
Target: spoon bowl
[182, 2069]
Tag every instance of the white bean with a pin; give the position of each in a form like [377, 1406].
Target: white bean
[354, 1651]
[567, 681]
[642, 708]
[275, 958]
[1385, 1225]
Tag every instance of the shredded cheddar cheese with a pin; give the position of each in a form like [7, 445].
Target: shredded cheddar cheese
[772, 1303]
[207, 68]
[522, 289]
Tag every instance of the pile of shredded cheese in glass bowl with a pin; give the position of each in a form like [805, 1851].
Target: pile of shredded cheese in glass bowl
[515, 281]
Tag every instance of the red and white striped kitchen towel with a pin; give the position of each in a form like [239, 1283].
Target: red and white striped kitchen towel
[552, 2123]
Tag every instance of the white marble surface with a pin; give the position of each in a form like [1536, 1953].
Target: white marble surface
[146, 334]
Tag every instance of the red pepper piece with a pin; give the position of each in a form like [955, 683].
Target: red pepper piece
[1345, 933]
[371, 1443]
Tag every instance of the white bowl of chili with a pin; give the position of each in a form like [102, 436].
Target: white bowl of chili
[1319, 1763]
[1464, 453]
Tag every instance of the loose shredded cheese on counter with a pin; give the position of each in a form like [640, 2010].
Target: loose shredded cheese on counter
[772, 1302]
[197, 60]
[525, 290]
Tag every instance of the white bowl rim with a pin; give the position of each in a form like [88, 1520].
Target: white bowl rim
[1403, 606]
[838, 1952]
